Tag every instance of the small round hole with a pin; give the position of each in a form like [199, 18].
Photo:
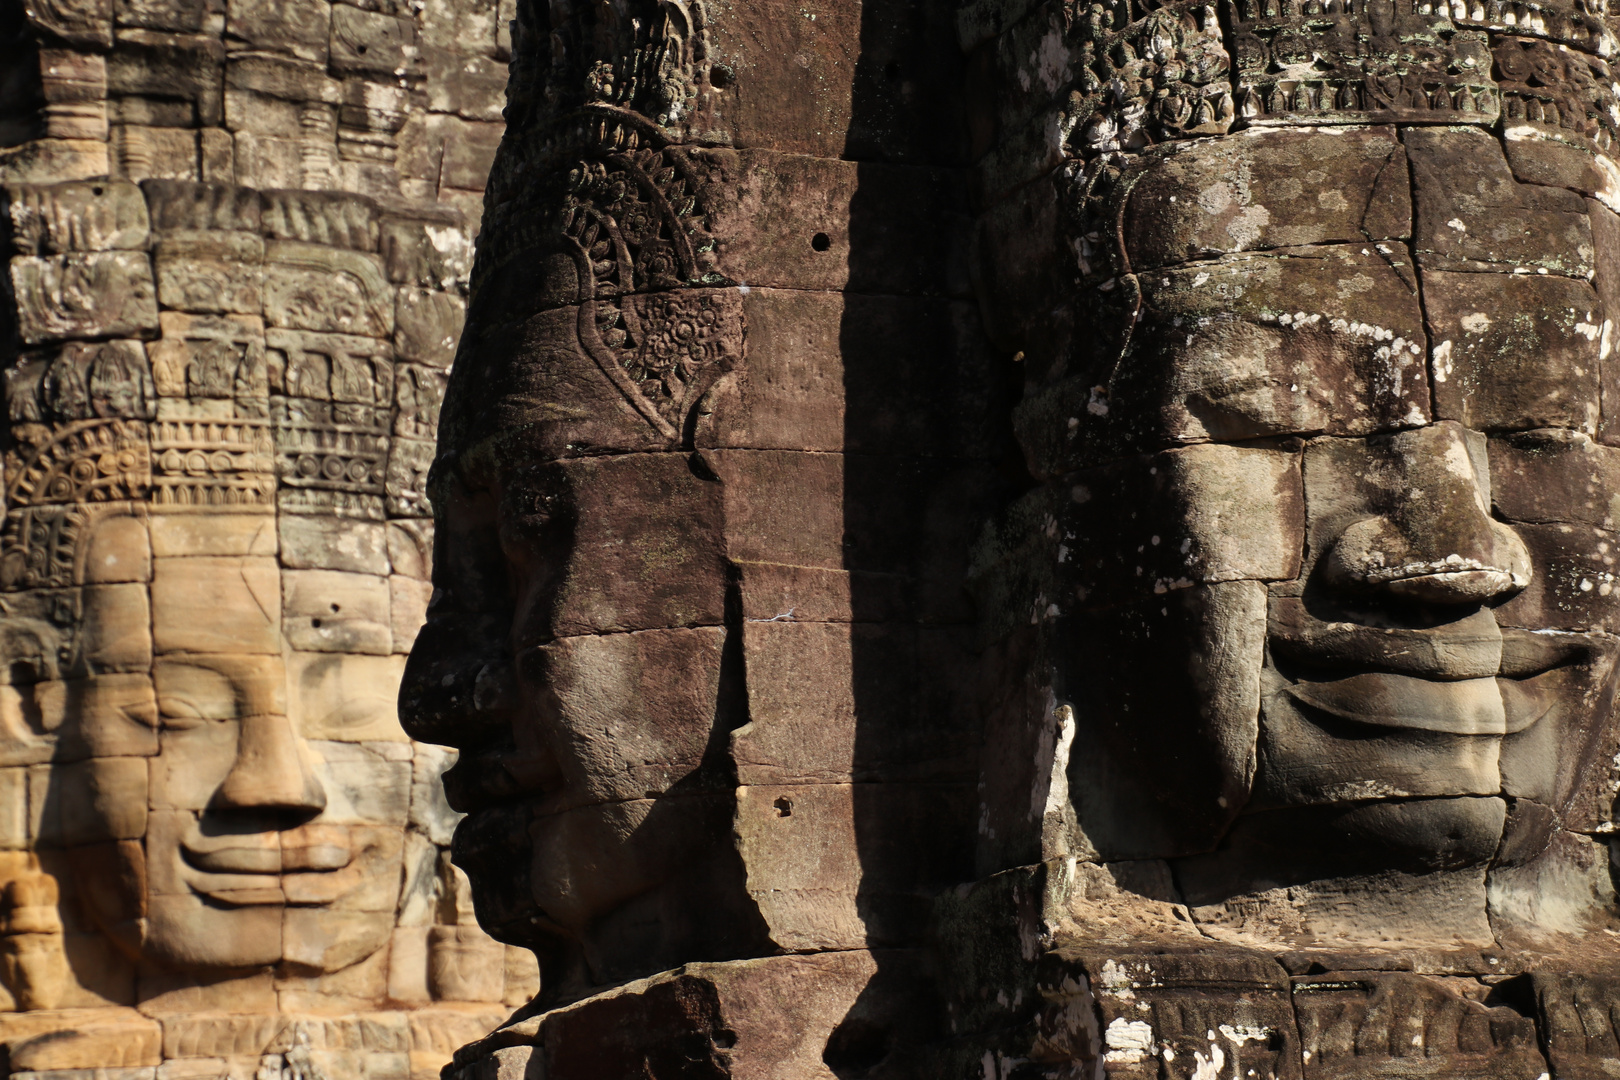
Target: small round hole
[336, 608]
[361, 49]
[821, 241]
[784, 807]
[720, 76]
[97, 190]
[316, 623]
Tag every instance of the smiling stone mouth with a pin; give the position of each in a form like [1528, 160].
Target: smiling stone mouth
[1456, 707]
[242, 875]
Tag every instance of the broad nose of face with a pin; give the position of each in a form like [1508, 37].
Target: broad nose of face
[270, 771]
[1430, 537]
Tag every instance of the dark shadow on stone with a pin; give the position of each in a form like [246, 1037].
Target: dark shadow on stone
[927, 446]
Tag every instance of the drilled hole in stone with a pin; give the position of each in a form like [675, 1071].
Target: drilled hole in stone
[720, 76]
[784, 807]
[821, 241]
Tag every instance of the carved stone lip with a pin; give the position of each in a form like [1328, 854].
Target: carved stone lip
[258, 868]
[1454, 707]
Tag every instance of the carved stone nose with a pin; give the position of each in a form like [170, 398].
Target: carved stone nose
[269, 773]
[1431, 538]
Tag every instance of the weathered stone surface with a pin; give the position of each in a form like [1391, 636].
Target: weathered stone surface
[92, 294]
[58, 218]
[1515, 351]
[1267, 189]
[1473, 215]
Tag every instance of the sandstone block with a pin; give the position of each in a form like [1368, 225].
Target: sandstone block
[1245, 372]
[92, 294]
[217, 604]
[1267, 189]
[334, 611]
[310, 287]
[817, 717]
[184, 66]
[408, 965]
[431, 815]
[210, 356]
[50, 160]
[116, 632]
[364, 788]
[1473, 215]
[298, 29]
[922, 384]
[408, 601]
[1221, 513]
[330, 218]
[14, 810]
[332, 940]
[208, 208]
[1537, 157]
[425, 254]
[641, 708]
[219, 534]
[345, 697]
[805, 847]
[170, 151]
[768, 210]
[1574, 585]
[465, 964]
[419, 391]
[330, 367]
[410, 548]
[119, 551]
[450, 152]
[1514, 351]
[88, 802]
[472, 87]
[370, 42]
[210, 273]
[109, 716]
[54, 219]
[1555, 475]
[427, 325]
[82, 1039]
[323, 543]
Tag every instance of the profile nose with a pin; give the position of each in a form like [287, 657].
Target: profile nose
[269, 772]
[1431, 538]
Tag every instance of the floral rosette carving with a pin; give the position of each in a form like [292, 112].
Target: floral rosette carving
[643, 252]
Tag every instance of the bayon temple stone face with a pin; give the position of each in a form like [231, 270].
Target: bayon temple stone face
[237, 240]
[1016, 539]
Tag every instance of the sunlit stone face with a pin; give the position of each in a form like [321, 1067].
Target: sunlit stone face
[1336, 596]
[275, 834]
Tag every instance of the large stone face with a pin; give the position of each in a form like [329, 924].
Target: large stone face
[237, 244]
[1195, 655]
[1001, 540]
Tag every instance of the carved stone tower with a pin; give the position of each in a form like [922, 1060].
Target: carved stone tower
[237, 239]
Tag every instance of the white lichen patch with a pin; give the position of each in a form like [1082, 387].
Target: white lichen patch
[1443, 366]
[1476, 322]
[1128, 1041]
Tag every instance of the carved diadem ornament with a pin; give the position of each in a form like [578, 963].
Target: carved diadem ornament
[207, 464]
[82, 461]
